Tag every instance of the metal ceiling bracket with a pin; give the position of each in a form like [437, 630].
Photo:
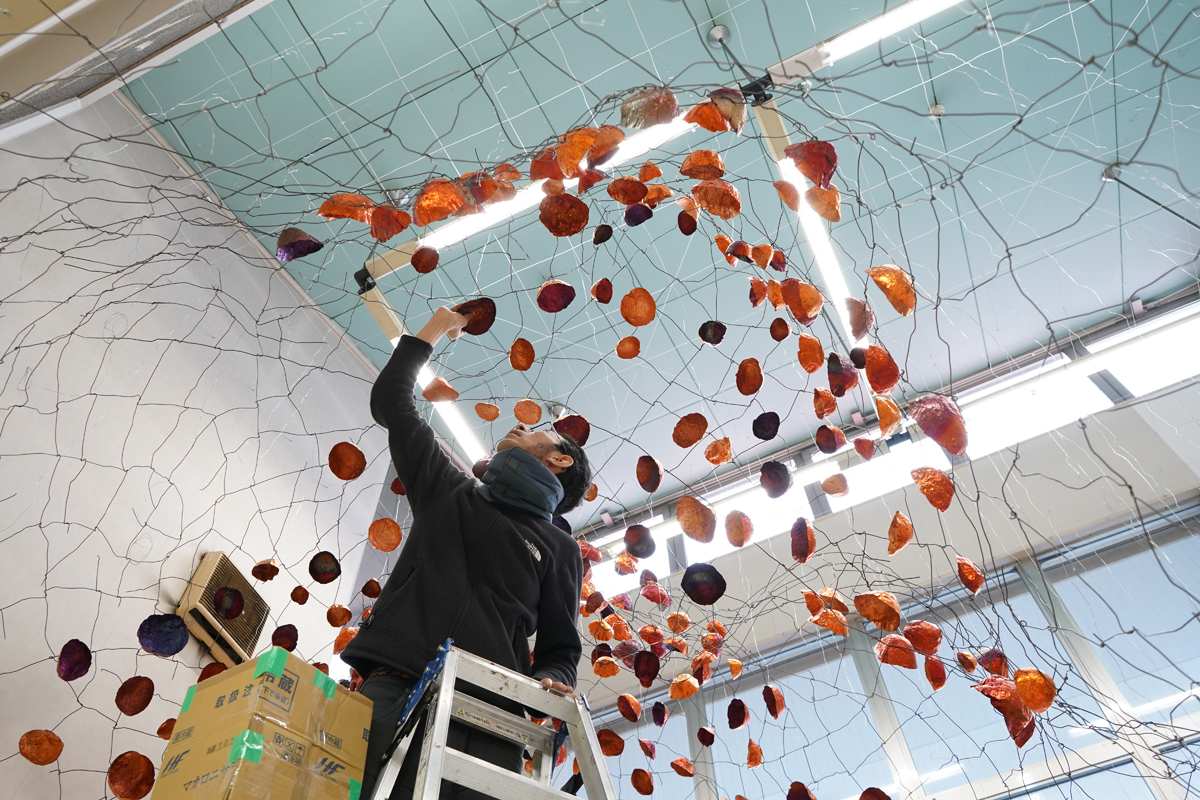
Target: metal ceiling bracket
[756, 89]
[718, 36]
[364, 279]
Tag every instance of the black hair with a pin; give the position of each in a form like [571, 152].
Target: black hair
[576, 478]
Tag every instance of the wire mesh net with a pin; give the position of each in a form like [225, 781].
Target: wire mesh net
[169, 389]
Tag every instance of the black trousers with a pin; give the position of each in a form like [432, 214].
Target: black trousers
[389, 694]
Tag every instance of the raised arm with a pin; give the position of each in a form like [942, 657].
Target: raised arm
[422, 465]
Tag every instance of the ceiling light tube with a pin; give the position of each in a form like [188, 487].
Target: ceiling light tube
[836, 289]
[494, 214]
[890, 471]
[453, 233]
[460, 429]
[653, 138]
[876, 30]
[871, 32]
[631, 148]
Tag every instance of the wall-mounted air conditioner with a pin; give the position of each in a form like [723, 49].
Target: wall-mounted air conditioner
[230, 640]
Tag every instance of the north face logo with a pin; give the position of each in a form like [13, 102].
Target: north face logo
[536, 553]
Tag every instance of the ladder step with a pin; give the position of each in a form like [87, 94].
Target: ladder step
[507, 683]
[488, 718]
[494, 781]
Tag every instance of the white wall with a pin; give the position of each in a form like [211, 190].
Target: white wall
[161, 396]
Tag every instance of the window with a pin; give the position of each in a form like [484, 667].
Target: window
[825, 737]
[954, 735]
[771, 517]
[670, 742]
[1141, 604]
[1154, 361]
[609, 582]
[886, 473]
[1183, 761]
[1121, 781]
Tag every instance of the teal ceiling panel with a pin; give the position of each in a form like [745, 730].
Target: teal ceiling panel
[996, 208]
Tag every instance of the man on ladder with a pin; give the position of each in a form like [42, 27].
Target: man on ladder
[483, 565]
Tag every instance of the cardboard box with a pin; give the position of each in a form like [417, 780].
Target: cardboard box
[262, 761]
[281, 688]
[275, 728]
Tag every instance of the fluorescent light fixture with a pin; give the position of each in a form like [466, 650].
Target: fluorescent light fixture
[619, 532]
[876, 30]
[944, 772]
[604, 541]
[1042, 402]
[1169, 701]
[608, 581]
[836, 289]
[424, 376]
[1142, 329]
[494, 214]
[460, 429]
[808, 62]
[653, 138]
[889, 472]
[997, 385]
[858, 38]
[631, 148]
[1146, 361]
[463, 433]
[639, 144]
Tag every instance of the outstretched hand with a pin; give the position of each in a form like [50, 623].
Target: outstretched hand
[444, 322]
[562, 687]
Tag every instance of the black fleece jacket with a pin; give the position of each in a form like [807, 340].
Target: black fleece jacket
[486, 578]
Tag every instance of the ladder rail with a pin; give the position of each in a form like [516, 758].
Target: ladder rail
[391, 771]
[543, 763]
[595, 775]
[437, 724]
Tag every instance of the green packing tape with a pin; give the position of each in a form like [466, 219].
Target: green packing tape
[325, 683]
[247, 746]
[271, 661]
[187, 698]
[355, 789]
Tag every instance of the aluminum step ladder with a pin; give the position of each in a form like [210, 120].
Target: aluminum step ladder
[434, 694]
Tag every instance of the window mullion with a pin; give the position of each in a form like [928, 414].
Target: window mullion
[883, 712]
[705, 777]
[1104, 689]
